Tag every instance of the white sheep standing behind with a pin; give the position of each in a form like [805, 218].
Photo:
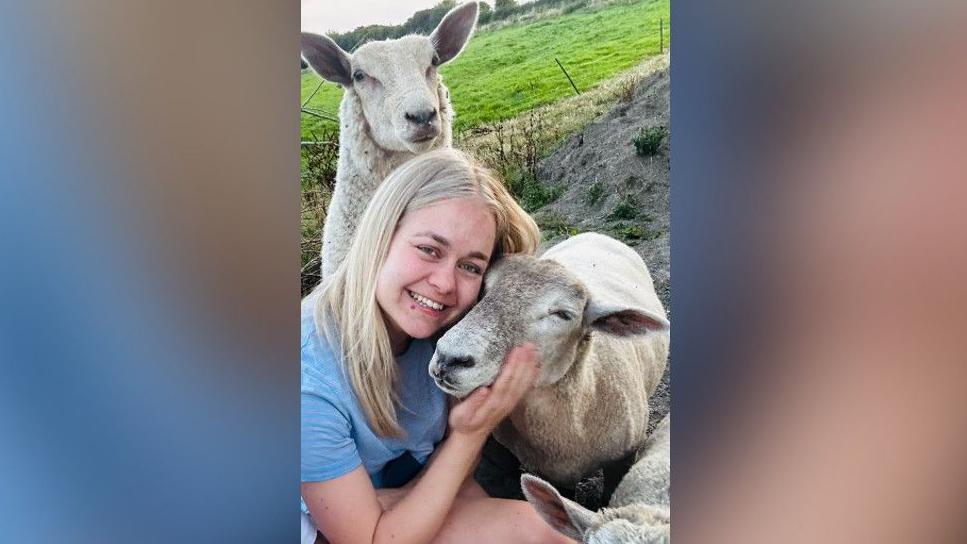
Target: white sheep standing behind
[394, 107]
[639, 512]
[589, 305]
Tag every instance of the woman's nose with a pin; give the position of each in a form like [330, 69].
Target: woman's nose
[443, 279]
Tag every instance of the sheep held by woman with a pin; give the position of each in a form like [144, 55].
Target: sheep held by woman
[394, 107]
[589, 305]
[639, 512]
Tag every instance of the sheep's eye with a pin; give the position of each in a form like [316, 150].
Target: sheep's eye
[562, 314]
[436, 60]
[359, 75]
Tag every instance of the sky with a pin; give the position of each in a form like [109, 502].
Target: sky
[321, 16]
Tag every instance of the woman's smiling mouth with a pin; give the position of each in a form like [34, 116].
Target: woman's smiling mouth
[426, 302]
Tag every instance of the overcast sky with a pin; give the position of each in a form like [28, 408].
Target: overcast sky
[320, 16]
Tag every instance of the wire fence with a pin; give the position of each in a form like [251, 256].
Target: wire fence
[528, 95]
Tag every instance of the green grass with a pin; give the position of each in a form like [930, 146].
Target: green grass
[507, 71]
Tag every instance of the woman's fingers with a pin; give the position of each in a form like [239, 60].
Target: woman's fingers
[468, 409]
[516, 377]
[487, 406]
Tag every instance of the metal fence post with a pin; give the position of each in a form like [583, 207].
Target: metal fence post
[661, 30]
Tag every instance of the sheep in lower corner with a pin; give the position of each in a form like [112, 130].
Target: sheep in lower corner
[639, 512]
[589, 305]
[394, 107]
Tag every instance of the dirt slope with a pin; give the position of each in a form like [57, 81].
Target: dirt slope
[632, 204]
[603, 153]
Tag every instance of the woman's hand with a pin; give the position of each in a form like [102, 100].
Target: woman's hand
[482, 410]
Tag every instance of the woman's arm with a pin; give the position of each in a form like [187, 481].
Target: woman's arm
[389, 496]
[348, 509]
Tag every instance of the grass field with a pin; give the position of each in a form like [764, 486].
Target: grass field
[511, 70]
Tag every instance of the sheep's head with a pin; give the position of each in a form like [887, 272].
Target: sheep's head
[637, 523]
[396, 81]
[530, 300]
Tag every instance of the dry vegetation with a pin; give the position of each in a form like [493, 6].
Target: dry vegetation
[318, 180]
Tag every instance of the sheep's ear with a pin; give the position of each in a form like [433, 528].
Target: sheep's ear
[623, 320]
[327, 59]
[454, 30]
[496, 269]
[567, 517]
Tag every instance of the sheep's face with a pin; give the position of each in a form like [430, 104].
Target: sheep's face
[399, 90]
[525, 300]
[396, 81]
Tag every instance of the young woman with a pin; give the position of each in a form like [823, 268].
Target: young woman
[382, 460]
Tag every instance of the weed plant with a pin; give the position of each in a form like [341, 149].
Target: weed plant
[627, 208]
[648, 140]
[635, 233]
[594, 193]
[553, 224]
[530, 192]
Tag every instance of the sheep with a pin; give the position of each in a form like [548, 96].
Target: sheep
[589, 306]
[639, 512]
[394, 107]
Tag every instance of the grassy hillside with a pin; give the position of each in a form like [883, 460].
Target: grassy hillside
[511, 70]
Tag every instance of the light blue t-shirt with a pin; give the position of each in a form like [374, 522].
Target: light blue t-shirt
[336, 437]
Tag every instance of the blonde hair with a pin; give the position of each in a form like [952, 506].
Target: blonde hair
[346, 310]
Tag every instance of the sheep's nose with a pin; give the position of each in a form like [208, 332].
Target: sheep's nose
[446, 363]
[421, 117]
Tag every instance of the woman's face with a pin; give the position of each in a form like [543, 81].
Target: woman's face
[434, 268]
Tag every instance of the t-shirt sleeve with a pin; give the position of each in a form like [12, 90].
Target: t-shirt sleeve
[328, 449]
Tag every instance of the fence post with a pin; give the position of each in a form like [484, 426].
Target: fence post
[661, 30]
[567, 76]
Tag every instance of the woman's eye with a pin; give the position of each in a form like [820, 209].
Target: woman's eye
[428, 250]
[472, 268]
[561, 314]
[359, 75]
